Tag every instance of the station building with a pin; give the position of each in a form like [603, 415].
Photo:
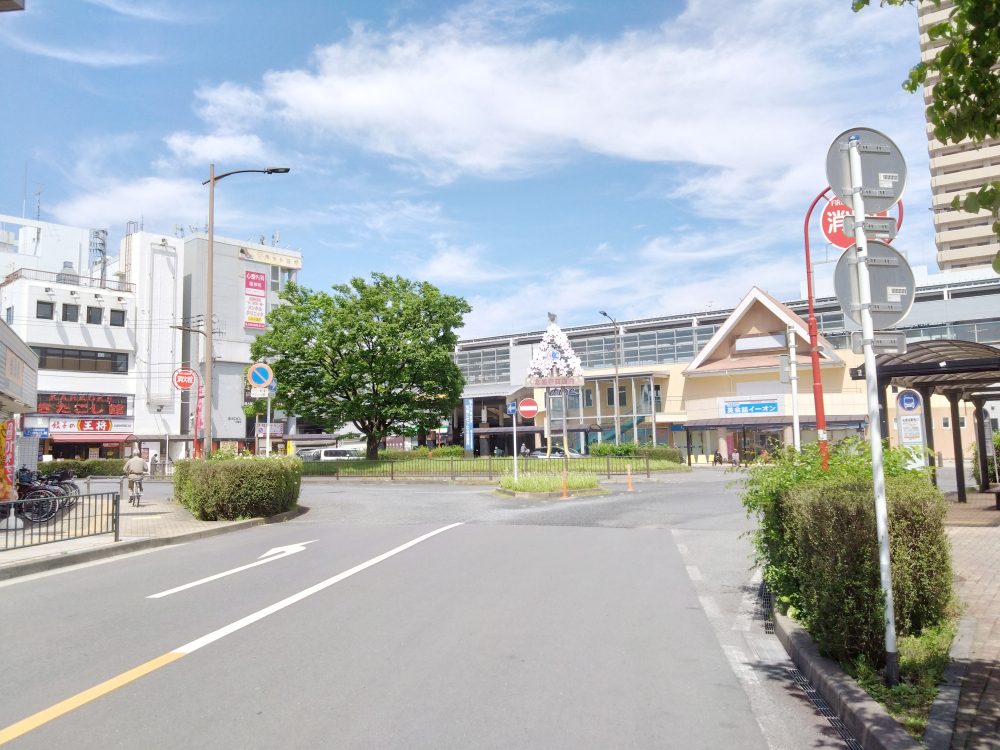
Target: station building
[710, 380]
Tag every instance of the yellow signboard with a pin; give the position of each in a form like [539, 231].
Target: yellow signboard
[271, 257]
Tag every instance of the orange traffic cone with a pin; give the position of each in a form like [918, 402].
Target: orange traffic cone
[628, 469]
[565, 496]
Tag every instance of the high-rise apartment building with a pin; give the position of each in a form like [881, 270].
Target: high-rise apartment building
[963, 240]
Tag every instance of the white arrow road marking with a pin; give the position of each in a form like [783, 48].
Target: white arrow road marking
[272, 554]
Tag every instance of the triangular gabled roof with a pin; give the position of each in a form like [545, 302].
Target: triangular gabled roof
[786, 315]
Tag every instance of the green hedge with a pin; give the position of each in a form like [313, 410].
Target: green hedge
[448, 451]
[661, 452]
[238, 488]
[106, 467]
[832, 527]
[398, 454]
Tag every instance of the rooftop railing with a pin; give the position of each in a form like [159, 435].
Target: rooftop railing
[67, 278]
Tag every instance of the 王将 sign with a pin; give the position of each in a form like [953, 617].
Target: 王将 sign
[93, 426]
[255, 298]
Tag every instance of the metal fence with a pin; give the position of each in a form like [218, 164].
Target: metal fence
[26, 523]
[453, 468]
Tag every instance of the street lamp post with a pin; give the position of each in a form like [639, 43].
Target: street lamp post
[212, 179]
[618, 418]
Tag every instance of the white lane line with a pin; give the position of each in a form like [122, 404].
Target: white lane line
[741, 664]
[272, 554]
[194, 645]
[683, 549]
[711, 608]
[693, 573]
[78, 566]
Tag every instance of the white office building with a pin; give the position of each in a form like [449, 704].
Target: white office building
[107, 332]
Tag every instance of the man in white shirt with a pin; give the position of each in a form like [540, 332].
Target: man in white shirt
[135, 469]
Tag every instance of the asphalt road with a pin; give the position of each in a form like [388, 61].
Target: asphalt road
[624, 620]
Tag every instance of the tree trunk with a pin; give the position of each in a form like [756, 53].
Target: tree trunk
[371, 451]
[421, 437]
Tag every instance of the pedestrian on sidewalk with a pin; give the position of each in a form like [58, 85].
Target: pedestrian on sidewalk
[717, 461]
[736, 457]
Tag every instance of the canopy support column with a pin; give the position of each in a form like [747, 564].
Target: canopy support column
[984, 467]
[956, 436]
[925, 395]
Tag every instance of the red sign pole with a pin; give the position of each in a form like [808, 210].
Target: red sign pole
[824, 451]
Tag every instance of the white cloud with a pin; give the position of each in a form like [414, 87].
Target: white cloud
[113, 203]
[142, 11]
[217, 147]
[743, 97]
[92, 56]
[451, 264]
[385, 218]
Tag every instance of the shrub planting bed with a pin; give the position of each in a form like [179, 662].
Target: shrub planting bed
[230, 489]
[817, 546]
[91, 467]
[547, 482]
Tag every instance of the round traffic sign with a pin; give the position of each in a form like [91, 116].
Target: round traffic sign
[891, 281]
[832, 221]
[184, 378]
[883, 169]
[909, 401]
[260, 375]
[528, 408]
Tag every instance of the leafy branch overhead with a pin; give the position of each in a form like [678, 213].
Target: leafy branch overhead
[374, 354]
[965, 86]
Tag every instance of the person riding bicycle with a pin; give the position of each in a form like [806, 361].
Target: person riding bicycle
[135, 469]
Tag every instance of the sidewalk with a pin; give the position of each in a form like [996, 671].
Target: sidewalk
[158, 516]
[974, 530]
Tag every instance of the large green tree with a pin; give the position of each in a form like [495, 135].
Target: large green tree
[376, 354]
[966, 86]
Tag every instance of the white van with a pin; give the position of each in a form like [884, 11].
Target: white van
[339, 454]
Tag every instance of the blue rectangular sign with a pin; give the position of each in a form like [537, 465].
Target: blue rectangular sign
[468, 424]
[39, 432]
[512, 407]
[752, 407]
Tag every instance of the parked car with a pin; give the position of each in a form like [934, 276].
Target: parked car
[340, 454]
[309, 454]
[556, 453]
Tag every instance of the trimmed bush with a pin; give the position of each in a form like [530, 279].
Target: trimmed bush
[448, 451]
[91, 467]
[662, 453]
[231, 489]
[398, 454]
[831, 525]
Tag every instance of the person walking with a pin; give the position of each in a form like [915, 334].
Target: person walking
[135, 469]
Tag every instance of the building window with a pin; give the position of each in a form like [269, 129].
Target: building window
[95, 315]
[44, 310]
[71, 313]
[946, 423]
[275, 278]
[588, 399]
[961, 423]
[484, 365]
[10, 316]
[621, 396]
[118, 318]
[84, 360]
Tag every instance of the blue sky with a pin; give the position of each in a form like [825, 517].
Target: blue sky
[642, 158]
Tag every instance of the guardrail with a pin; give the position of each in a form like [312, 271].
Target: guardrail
[452, 468]
[26, 523]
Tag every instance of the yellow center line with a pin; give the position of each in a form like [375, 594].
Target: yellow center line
[26, 725]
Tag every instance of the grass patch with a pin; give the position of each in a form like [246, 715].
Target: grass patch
[922, 661]
[547, 482]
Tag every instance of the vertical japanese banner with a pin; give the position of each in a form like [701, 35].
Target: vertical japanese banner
[7, 487]
[254, 295]
[198, 423]
[469, 444]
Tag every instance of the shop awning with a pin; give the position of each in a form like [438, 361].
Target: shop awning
[90, 437]
[735, 423]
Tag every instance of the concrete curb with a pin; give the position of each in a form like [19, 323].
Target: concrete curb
[862, 715]
[944, 710]
[553, 495]
[29, 567]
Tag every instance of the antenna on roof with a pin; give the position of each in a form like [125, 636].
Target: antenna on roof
[38, 204]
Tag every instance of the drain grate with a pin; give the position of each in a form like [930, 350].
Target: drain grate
[765, 602]
[824, 708]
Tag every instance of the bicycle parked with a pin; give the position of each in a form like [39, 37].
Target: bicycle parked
[39, 500]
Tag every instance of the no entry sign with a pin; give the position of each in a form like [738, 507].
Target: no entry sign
[184, 378]
[259, 375]
[528, 408]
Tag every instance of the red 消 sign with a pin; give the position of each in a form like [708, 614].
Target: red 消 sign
[832, 221]
[528, 408]
[184, 378]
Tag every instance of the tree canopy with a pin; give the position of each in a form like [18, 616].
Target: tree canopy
[965, 86]
[377, 355]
